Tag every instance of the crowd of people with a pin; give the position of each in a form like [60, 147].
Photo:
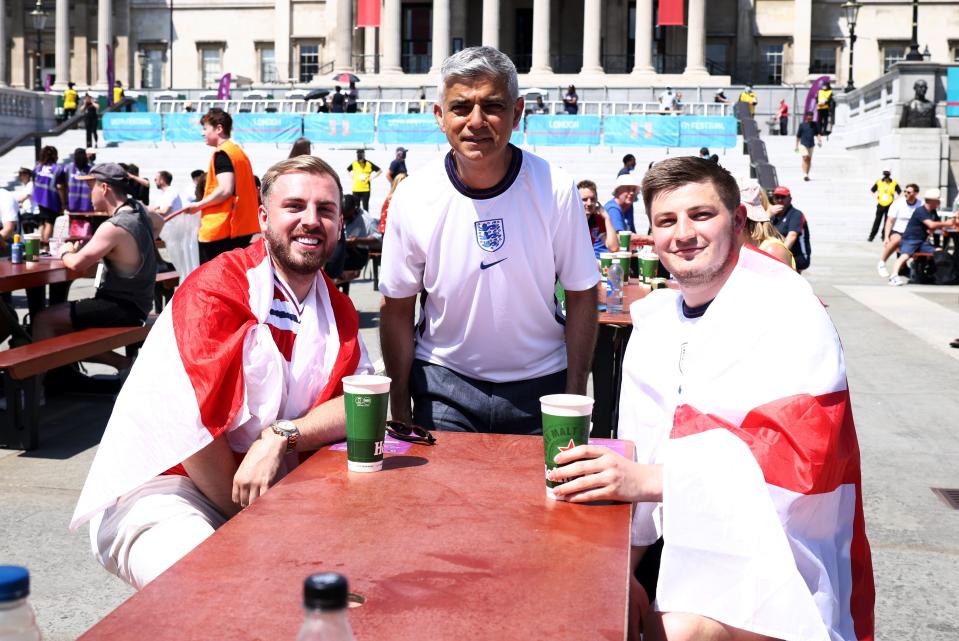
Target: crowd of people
[256, 380]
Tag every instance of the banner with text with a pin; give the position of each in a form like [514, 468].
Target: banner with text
[273, 128]
[132, 127]
[641, 131]
[562, 130]
[338, 128]
[409, 129]
[952, 92]
[184, 127]
[707, 131]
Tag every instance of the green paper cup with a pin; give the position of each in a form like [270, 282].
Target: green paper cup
[565, 425]
[648, 266]
[624, 239]
[624, 259]
[31, 248]
[605, 260]
[367, 398]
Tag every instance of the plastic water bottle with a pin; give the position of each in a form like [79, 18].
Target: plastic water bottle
[325, 603]
[16, 250]
[17, 621]
[614, 288]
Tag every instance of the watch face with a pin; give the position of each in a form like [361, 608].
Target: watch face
[287, 427]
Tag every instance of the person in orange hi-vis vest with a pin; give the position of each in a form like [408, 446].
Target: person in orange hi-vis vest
[229, 204]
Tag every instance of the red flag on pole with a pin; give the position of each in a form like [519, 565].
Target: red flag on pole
[368, 13]
[671, 13]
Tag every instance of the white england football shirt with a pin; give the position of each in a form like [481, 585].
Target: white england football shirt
[488, 261]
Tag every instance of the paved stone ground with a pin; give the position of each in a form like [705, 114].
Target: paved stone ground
[902, 377]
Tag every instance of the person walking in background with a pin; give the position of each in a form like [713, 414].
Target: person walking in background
[805, 142]
[629, 164]
[886, 190]
[783, 117]
[70, 98]
[230, 200]
[363, 172]
[571, 101]
[90, 117]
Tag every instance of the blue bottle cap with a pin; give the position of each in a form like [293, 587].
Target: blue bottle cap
[14, 582]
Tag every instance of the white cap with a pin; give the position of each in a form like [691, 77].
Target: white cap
[931, 194]
[626, 180]
[751, 197]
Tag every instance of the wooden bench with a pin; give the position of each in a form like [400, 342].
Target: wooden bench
[23, 366]
[166, 283]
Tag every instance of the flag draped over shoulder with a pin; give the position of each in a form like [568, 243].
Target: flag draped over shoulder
[748, 410]
[189, 383]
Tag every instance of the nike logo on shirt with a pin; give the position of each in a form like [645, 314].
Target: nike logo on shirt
[488, 265]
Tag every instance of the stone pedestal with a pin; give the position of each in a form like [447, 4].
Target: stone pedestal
[918, 156]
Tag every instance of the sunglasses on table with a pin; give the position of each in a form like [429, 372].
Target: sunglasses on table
[409, 433]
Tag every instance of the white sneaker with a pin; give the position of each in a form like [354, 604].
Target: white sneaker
[881, 268]
[895, 281]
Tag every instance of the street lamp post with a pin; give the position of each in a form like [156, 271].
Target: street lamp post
[851, 11]
[39, 17]
[914, 45]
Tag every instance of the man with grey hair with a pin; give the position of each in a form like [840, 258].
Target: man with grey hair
[485, 233]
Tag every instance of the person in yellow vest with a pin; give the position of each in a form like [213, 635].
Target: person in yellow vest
[119, 95]
[750, 98]
[70, 98]
[362, 171]
[230, 202]
[824, 104]
[886, 190]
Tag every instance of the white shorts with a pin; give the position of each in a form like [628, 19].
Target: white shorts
[152, 527]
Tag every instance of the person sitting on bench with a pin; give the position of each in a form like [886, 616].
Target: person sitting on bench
[126, 244]
[362, 237]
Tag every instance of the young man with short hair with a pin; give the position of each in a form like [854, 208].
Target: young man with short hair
[899, 215]
[230, 200]
[251, 353]
[747, 466]
[602, 232]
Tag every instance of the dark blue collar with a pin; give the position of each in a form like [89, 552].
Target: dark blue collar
[515, 164]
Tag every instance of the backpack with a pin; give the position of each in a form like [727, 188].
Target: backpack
[946, 268]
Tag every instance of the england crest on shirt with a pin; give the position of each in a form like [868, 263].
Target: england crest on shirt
[490, 234]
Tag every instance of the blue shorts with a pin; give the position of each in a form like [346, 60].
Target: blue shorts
[447, 400]
[912, 246]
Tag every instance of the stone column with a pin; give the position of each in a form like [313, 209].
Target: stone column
[592, 28]
[62, 43]
[745, 41]
[3, 43]
[390, 37]
[104, 38]
[282, 45]
[491, 23]
[541, 27]
[643, 55]
[369, 49]
[441, 34]
[798, 70]
[696, 39]
[344, 35]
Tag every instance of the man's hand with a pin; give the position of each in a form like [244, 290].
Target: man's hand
[260, 468]
[605, 475]
[68, 247]
[191, 208]
[775, 210]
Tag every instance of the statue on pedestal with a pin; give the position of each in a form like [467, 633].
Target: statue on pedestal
[919, 112]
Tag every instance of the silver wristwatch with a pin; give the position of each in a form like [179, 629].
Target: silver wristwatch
[289, 431]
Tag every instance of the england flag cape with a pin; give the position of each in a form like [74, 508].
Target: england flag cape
[228, 325]
[747, 409]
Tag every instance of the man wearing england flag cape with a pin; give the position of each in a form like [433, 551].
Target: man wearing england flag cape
[240, 376]
[734, 392]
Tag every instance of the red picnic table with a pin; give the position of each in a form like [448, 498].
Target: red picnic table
[45, 271]
[455, 541]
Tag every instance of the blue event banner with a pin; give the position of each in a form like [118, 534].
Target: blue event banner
[132, 127]
[266, 127]
[337, 128]
[952, 92]
[641, 131]
[409, 129]
[562, 130]
[707, 131]
[182, 127]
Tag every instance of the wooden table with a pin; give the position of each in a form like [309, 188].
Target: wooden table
[614, 332]
[45, 271]
[457, 541]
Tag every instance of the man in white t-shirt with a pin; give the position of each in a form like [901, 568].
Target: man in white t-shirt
[485, 232]
[169, 200]
[24, 191]
[9, 216]
[896, 220]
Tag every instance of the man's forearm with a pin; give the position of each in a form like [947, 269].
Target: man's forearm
[215, 197]
[582, 317]
[323, 424]
[396, 339]
[790, 240]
